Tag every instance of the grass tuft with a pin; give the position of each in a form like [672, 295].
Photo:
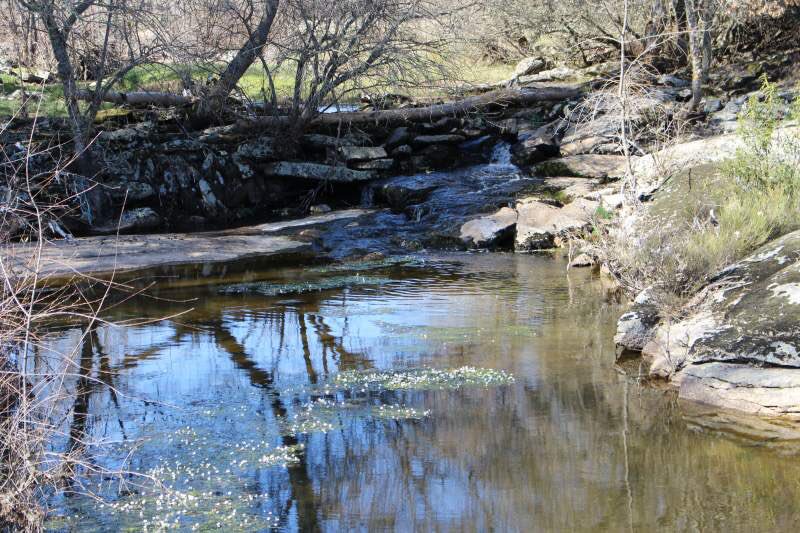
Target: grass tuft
[705, 221]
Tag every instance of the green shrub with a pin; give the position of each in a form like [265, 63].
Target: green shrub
[769, 157]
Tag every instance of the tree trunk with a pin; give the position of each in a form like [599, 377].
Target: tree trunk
[58, 42]
[212, 104]
[694, 12]
[92, 198]
[679, 24]
[708, 41]
[656, 29]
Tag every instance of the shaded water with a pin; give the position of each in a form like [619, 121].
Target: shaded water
[281, 409]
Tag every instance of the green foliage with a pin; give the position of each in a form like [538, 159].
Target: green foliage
[45, 100]
[603, 213]
[768, 159]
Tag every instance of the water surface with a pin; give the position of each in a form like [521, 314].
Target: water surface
[235, 406]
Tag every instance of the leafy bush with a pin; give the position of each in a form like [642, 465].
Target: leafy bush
[770, 158]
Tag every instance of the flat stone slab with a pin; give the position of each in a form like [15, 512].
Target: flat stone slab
[583, 166]
[316, 171]
[759, 391]
[106, 256]
[361, 153]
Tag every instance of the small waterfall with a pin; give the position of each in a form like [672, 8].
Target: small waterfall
[501, 155]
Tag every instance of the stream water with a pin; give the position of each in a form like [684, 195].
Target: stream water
[466, 392]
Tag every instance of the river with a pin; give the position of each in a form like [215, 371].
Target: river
[467, 392]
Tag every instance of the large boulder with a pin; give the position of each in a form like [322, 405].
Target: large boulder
[595, 136]
[540, 224]
[738, 344]
[401, 192]
[529, 137]
[535, 146]
[529, 66]
[664, 163]
[490, 231]
[573, 188]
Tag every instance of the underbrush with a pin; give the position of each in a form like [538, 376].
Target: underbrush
[675, 249]
[43, 386]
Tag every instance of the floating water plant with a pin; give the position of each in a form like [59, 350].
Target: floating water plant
[398, 412]
[424, 378]
[358, 266]
[319, 416]
[323, 284]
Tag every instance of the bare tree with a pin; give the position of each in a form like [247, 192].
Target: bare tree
[125, 24]
[252, 49]
[340, 51]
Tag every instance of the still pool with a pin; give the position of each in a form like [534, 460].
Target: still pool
[463, 392]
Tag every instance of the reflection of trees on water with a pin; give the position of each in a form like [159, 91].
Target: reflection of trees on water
[317, 343]
[302, 489]
[547, 453]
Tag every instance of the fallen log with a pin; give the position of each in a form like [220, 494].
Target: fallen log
[494, 99]
[141, 98]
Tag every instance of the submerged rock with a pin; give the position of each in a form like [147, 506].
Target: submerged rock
[637, 327]
[760, 391]
[583, 260]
